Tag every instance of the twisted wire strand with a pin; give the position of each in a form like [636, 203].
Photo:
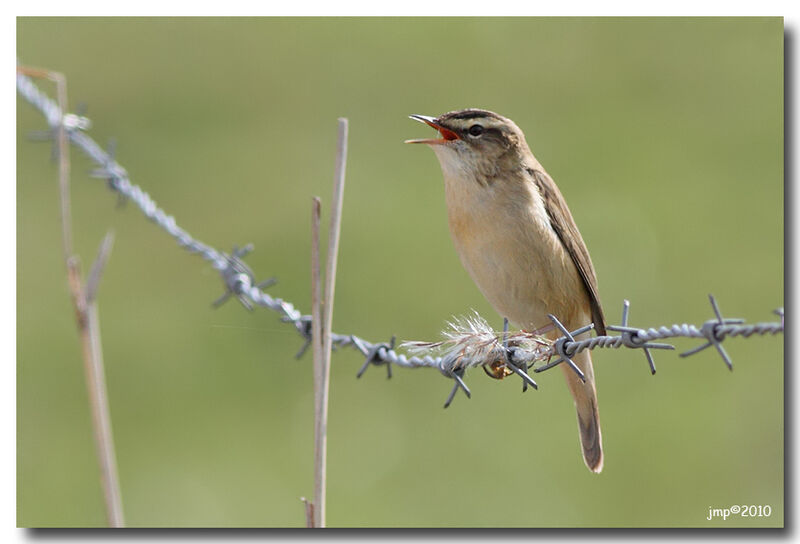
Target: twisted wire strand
[509, 351]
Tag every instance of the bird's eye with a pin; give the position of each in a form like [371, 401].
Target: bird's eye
[475, 130]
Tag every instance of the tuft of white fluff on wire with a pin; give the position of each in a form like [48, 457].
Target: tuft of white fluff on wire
[469, 341]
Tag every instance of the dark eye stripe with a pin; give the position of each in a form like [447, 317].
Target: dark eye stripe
[491, 133]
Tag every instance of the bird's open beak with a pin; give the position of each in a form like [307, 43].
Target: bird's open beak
[447, 135]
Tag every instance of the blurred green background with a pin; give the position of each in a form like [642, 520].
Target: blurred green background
[666, 138]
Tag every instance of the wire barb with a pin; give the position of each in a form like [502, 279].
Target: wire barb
[563, 347]
[630, 337]
[713, 332]
[303, 324]
[375, 354]
[238, 278]
[520, 370]
[457, 376]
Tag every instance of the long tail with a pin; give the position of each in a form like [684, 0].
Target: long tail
[585, 396]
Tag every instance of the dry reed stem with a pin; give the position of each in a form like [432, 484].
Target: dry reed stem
[323, 323]
[86, 315]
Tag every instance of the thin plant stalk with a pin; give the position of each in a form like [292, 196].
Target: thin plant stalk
[322, 373]
[84, 301]
[316, 340]
[89, 331]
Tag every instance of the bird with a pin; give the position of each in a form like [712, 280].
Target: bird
[517, 239]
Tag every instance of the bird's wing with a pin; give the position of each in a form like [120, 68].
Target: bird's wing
[564, 226]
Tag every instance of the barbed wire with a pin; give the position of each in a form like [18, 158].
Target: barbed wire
[469, 343]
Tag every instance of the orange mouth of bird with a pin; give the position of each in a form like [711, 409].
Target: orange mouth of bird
[447, 135]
